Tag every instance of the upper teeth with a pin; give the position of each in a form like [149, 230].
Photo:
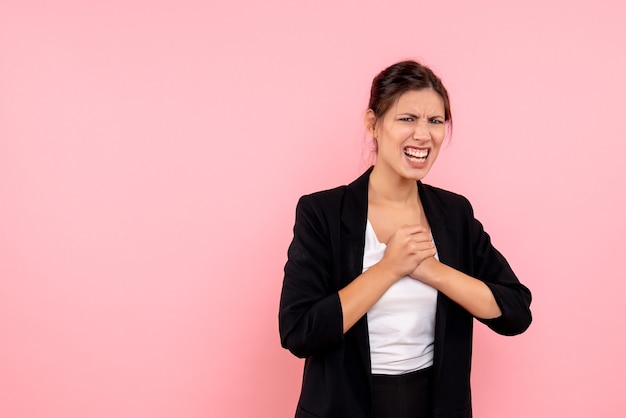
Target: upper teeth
[417, 153]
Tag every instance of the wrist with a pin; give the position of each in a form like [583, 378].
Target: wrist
[426, 271]
[387, 270]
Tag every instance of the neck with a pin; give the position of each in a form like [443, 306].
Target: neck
[391, 189]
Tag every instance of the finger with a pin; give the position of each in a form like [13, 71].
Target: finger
[418, 247]
[422, 237]
[425, 248]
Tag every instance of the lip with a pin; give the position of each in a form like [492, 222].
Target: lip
[410, 147]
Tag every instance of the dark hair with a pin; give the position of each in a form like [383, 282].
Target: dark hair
[399, 78]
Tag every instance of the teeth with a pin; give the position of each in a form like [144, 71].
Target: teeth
[416, 153]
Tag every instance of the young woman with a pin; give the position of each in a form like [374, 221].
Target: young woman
[385, 276]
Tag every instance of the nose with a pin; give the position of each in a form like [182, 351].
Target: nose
[422, 130]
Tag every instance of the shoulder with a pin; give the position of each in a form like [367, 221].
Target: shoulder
[334, 198]
[446, 206]
[323, 204]
[328, 196]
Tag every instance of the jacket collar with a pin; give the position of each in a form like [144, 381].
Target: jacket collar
[444, 234]
[354, 214]
[355, 204]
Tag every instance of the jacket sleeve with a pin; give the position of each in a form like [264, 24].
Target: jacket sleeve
[491, 267]
[310, 316]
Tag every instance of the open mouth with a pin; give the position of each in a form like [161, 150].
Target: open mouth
[416, 155]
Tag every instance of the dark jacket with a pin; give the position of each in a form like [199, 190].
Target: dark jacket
[326, 254]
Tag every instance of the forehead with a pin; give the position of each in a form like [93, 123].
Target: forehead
[420, 101]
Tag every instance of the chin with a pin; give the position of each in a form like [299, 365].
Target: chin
[416, 174]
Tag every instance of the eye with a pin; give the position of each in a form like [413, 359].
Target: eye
[435, 121]
[406, 119]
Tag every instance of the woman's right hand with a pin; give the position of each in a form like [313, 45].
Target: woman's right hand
[406, 249]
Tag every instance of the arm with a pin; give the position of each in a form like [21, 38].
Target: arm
[491, 267]
[487, 288]
[513, 298]
[310, 317]
[472, 294]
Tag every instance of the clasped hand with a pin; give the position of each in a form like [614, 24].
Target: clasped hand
[407, 248]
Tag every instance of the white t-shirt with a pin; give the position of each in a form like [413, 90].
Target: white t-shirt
[402, 323]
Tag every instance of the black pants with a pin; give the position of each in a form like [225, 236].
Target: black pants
[403, 396]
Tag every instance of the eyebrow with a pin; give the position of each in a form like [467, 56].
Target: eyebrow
[417, 117]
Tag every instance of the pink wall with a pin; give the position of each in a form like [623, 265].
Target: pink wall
[151, 155]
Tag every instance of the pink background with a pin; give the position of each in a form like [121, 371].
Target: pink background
[152, 153]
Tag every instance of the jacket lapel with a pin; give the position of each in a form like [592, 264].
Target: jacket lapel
[353, 223]
[446, 241]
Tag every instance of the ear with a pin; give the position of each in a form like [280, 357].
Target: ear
[369, 120]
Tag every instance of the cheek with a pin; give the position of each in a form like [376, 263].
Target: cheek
[439, 136]
[401, 132]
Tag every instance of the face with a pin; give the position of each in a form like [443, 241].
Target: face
[409, 134]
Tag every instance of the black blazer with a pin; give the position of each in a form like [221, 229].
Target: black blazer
[326, 254]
